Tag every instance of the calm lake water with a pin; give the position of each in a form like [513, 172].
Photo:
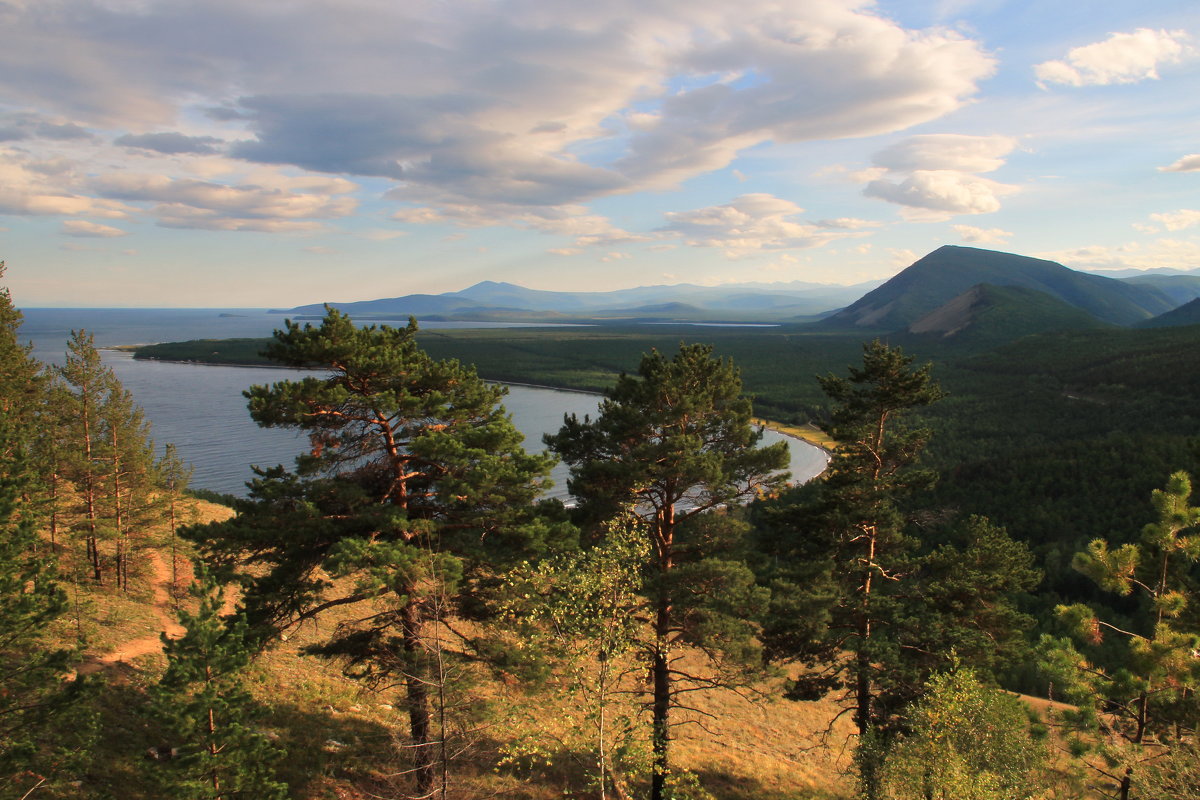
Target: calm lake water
[202, 411]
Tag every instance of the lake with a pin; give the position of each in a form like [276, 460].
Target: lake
[202, 411]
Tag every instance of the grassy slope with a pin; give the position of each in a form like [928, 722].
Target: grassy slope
[342, 739]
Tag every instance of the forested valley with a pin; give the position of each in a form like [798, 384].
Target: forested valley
[990, 593]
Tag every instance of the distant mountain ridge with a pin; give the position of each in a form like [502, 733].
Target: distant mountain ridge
[782, 301]
[947, 272]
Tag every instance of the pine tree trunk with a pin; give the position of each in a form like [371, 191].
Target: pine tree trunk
[661, 665]
[661, 670]
[417, 699]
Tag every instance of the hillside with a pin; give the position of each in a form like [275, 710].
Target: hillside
[949, 271]
[1179, 288]
[987, 315]
[1186, 314]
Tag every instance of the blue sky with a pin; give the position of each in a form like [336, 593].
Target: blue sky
[222, 153]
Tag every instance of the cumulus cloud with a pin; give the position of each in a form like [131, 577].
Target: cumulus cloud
[1121, 58]
[1178, 220]
[970, 233]
[1189, 163]
[84, 229]
[933, 176]
[934, 195]
[170, 143]
[749, 224]
[488, 109]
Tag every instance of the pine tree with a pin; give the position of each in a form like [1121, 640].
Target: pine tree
[215, 752]
[174, 475]
[414, 491]
[837, 550]
[131, 480]
[676, 442]
[87, 461]
[33, 694]
[871, 471]
[1145, 701]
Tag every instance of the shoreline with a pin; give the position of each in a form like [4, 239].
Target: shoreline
[808, 434]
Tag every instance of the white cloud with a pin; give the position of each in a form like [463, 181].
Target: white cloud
[1121, 58]
[565, 251]
[272, 204]
[970, 233]
[932, 176]
[1178, 220]
[30, 187]
[946, 151]
[749, 224]
[935, 195]
[847, 223]
[85, 229]
[1189, 163]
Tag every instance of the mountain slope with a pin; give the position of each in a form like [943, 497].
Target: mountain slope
[1179, 288]
[1187, 314]
[950, 270]
[987, 315]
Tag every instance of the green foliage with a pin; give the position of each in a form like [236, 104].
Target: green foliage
[1175, 775]
[966, 741]
[218, 754]
[34, 697]
[578, 614]
[414, 495]
[1143, 694]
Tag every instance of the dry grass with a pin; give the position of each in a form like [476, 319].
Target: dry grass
[345, 741]
[808, 432]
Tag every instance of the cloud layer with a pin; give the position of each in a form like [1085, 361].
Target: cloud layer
[505, 112]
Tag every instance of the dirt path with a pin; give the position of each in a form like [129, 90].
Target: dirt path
[143, 645]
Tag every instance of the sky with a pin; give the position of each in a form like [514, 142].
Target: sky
[224, 153]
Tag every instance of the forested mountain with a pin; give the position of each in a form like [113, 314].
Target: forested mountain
[1186, 314]
[950, 270]
[990, 315]
[1180, 288]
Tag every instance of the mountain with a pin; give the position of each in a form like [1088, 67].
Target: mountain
[1179, 288]
[495, 298]
[987, 315]
[1187, 314]
[950, 270]
[401, 306]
